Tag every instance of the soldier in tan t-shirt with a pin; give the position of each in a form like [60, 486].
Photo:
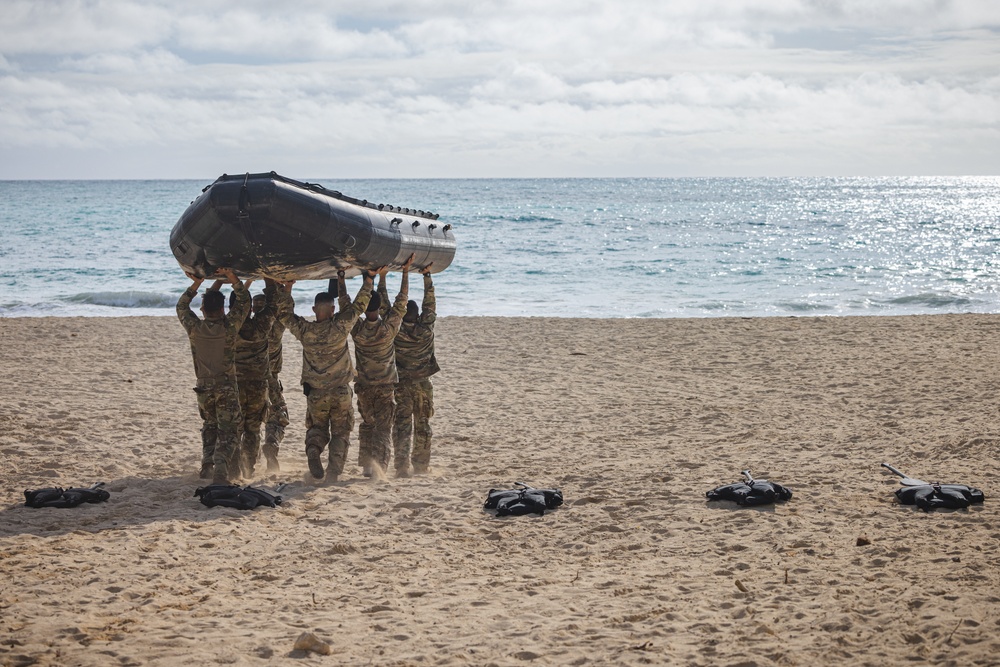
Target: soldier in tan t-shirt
[213, 346]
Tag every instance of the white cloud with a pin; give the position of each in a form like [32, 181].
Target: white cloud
[503, 88]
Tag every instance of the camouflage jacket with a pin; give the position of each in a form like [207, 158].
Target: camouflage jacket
[326, 362]
[415, 358]
[252, 343]
[374, 344]
[213, 341]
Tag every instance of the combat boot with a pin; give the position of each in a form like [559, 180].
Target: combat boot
[221, 475]
[315, 463]
[207, 470]
[273, 435]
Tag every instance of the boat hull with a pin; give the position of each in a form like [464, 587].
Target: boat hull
[266, 225]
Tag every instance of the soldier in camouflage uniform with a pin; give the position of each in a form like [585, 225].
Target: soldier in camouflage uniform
[374, 351]
[415, 363]
[277, 410]
[253, 372]
[326, 374]
[213, 347]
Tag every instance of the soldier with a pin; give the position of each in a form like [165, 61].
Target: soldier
[374, 351]
[326, 374]
[277, 411]
[213, 347]
[415, 363]
[253, 373]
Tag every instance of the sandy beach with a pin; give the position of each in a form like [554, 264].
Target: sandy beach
[633, 419]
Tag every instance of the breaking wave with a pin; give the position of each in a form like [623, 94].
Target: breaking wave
[124, 299]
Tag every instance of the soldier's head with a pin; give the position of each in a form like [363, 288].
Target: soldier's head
[259, 301]
[213, 303]
[323, 306]
[412, 312]
[371, 312]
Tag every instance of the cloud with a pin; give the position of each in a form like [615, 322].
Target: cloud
[514, 87]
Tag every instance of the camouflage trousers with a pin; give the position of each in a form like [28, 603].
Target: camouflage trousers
[253, 404]
[329, 420]
[414, 409]
[375, 403]
[219, 406]
[277, 417]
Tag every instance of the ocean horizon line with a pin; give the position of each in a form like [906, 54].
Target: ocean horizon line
[697, 177]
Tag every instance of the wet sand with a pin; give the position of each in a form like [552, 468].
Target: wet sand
[633, 419]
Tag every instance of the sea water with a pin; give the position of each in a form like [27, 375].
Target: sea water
[631, 247]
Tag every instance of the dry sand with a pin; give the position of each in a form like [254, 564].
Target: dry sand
[633, 419]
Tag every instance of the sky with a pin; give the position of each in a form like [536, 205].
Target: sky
[511, 88]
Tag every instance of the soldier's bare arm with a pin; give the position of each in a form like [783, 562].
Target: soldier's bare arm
[383, 293]
[357, 307]
[230, 276]
[195, 280]
[343, 299]
[394, 318]
[429, 309]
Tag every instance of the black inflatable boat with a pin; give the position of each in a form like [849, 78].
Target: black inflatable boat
[268, 225]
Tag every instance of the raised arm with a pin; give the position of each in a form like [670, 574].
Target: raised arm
[356, 308]
[383, 292]
[184, 312]
[241, 307]
[343, 299]
[395, 315]
[286, 308]
[269, 312]
[428, 312]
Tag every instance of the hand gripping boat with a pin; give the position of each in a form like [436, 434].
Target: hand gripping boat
[268, 225]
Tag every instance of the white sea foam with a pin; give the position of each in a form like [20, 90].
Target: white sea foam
[125, 299]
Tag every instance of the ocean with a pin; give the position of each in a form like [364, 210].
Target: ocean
[629, 247]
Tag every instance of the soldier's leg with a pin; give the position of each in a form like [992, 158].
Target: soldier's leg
[423, 410]
[254, 405]
[383, 409]
[318, 405]
[402, 424]
[341, 423]
[366, 406]
[237, 458]
[228, 418]
[277, 420]
[209, 432]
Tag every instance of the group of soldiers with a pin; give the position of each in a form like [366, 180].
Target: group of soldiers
[238, 356]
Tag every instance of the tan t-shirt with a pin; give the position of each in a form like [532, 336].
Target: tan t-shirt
[213, 341]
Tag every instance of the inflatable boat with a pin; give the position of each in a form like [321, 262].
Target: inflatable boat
[268, 225]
